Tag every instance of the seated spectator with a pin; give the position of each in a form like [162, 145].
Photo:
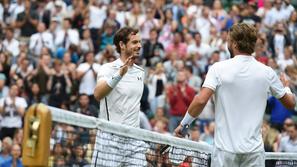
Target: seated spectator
[4, 90]
[16, 157]
[289, 143]
[84, 106]
[5, 152]
[78, 157]
[208, 135]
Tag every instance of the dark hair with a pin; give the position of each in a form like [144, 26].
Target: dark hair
[244, 36]
[123, 35]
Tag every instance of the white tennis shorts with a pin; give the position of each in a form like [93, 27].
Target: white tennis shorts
[117, 151]
[221, 158]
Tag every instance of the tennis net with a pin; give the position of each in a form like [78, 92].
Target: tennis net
[119, 145]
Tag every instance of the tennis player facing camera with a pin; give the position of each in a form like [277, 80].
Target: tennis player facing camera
[241, 86]
[119, 89]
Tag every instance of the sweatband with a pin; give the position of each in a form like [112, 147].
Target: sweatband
[187, 120]
[288, 90]
[114, 80]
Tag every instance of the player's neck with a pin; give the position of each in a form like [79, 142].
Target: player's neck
[236, 53]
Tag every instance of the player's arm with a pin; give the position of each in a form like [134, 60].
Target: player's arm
[195, 109]
[288, 100]
[105, 86]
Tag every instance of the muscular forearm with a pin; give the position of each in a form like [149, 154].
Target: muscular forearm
[196, 106]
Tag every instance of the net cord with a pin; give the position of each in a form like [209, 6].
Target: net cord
[75, 119]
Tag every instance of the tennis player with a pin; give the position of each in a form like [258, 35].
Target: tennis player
[241, 86]
[119, 89]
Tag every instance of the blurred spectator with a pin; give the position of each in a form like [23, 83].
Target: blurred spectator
[59, 85]
[18, 136]
[179, 97]
[194, 80]
[10, 44]
[287, 60]
[4, 90]
[177, 46]
[27, 20]
[87, 73]
[195, 133]
[5, 151]
[84, 106]
[148, 24]
[78, 158]
[66, 36]
[41, 39]
[169, 26]
[107, 35]
[288, 143]
[86, 44]
[135, 17]
[208, 135]
[16, 157]
[157, 83]
[278, 40]
[270, 137]
[153, 51]
[292, 30]
[12, 109]
[34, 95]
[199, 49]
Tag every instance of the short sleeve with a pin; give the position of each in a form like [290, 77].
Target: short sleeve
[276, 87]
[212, 79]
[103, 73]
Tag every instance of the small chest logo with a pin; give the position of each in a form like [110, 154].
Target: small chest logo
[139, 78]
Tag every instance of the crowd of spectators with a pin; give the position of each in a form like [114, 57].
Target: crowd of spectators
[51, 51]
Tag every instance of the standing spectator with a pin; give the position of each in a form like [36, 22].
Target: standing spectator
[153, 51]
[204, 23]
[134, 17]
[292, 30]
[5, 151]
[27, 20]
[41, 39]
[34, 95]
[289, 143]
[168, 27]
[12, 109]
[59, 85]
[10, 44]
[107, 35]
[157, 83]
[274, 15]
[86, 73]
[179, 96]
[178, 46]
[66, 36]
[278, 40]
[202, 50]
[86, 43]
[16, 157]
[148, 24]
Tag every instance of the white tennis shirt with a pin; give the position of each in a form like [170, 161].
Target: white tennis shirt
[241, 86]
[122, 104]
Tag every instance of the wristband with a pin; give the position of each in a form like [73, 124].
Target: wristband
[187, 120]
[114, 80]
[288, 90]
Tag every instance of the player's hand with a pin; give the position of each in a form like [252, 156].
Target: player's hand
[129, 62]
[178, 130]
[284, 80]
